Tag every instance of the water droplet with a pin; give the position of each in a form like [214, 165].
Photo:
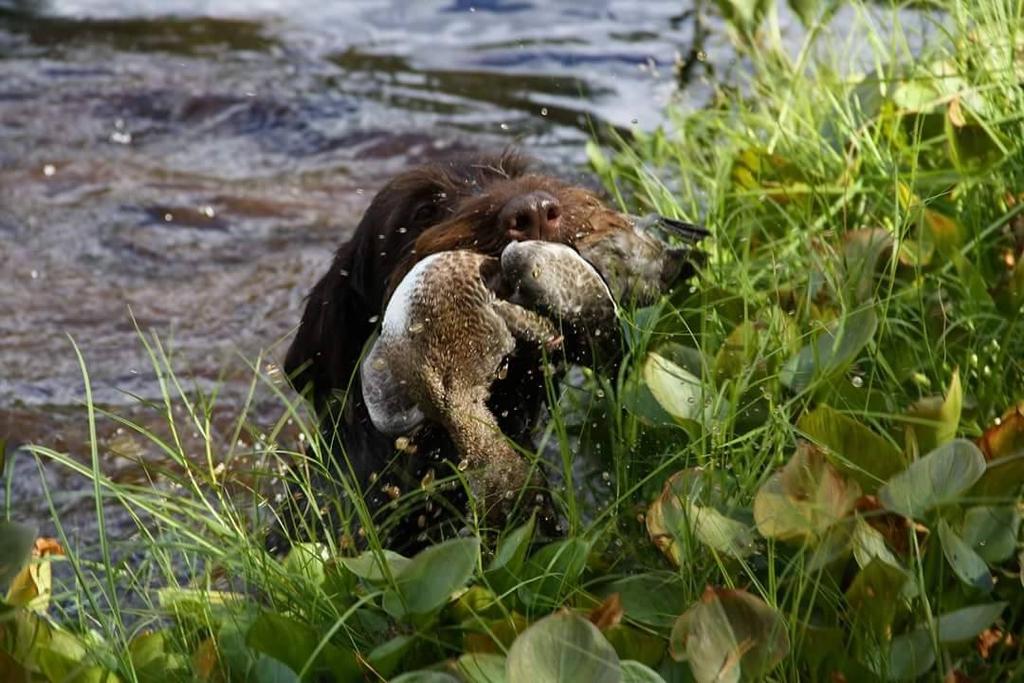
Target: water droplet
[34, 274]
[463, 465]
[121, 137]
[360, 190]
[168, 217]
[403, 230]
[535, 273]
[606, 476]
[599, 393]
[49, 170]
[425, 482]
[207, 211]
[373, 319]
[378, 364]
[543, 111]
[416, 327]
[974, 359]
[502, 374]
[702, 56]
[421, 521]
[986, 371]
[504, 126]
[634, 121]
[857, 381]
[401, 443]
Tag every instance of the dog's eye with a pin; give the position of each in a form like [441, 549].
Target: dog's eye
[426, 213]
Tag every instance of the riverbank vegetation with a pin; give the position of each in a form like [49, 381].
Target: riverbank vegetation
[808, 468]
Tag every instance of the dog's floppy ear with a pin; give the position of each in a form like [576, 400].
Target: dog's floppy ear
[334, 327]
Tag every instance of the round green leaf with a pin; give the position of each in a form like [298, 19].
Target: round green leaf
[676, 390]
[936, 479]
[992, 531]
[562, 647]
[852, 447]
[635, 672]
[966, 623]
[482, 667]
[729, 633]
[368, 565]
[831, 352]
[429, 579]
[966, 563]
[804, 499]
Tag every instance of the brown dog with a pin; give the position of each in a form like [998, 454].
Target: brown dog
[480, 205]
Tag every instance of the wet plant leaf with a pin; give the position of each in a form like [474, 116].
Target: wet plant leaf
[728, 634]
[686, 508]
[676, 390]
[966, 623]
[936, 419]
[966, 564]
[936, 479]
[804, 499]
[992, 532]
[869, 544]
[427, 582]
[852, 447]
[562, 647]
[832, 352]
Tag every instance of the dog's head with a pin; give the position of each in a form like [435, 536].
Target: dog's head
[481, 204]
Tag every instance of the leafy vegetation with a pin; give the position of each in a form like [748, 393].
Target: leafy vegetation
[809, 468]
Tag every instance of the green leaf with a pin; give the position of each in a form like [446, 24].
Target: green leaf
[15, 549]
[509, 558]
[635, 672]
[966, 623]
[992, 531]
[427, 582]
[936, 479]
[852, 447]
[553, 572]
[386, 657]
[874, 595]
[676, 390]
[562, 647]
[966, 563]
[653, 598]
[294, 643]
[369, 565]
[306, 561]
[1003, 477]
[911, 655]
[425, 677]
[804, 499]
[482, 667]
[729, 633]
[745, 14]
[936, 419]
[687, 506]
[832, 352]
[807, 10]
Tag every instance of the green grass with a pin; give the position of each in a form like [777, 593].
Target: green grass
[859, 322]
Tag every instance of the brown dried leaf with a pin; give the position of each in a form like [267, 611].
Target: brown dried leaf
[608, 613]
[1006, 437]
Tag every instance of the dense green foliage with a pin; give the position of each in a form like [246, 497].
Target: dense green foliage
[809, 468]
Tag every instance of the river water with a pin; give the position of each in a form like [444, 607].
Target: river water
[186, 167]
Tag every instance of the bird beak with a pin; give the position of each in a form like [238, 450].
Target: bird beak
[688, 232]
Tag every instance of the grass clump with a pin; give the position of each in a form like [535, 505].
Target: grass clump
[808, 468]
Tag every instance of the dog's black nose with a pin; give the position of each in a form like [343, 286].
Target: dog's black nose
[532, 216]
